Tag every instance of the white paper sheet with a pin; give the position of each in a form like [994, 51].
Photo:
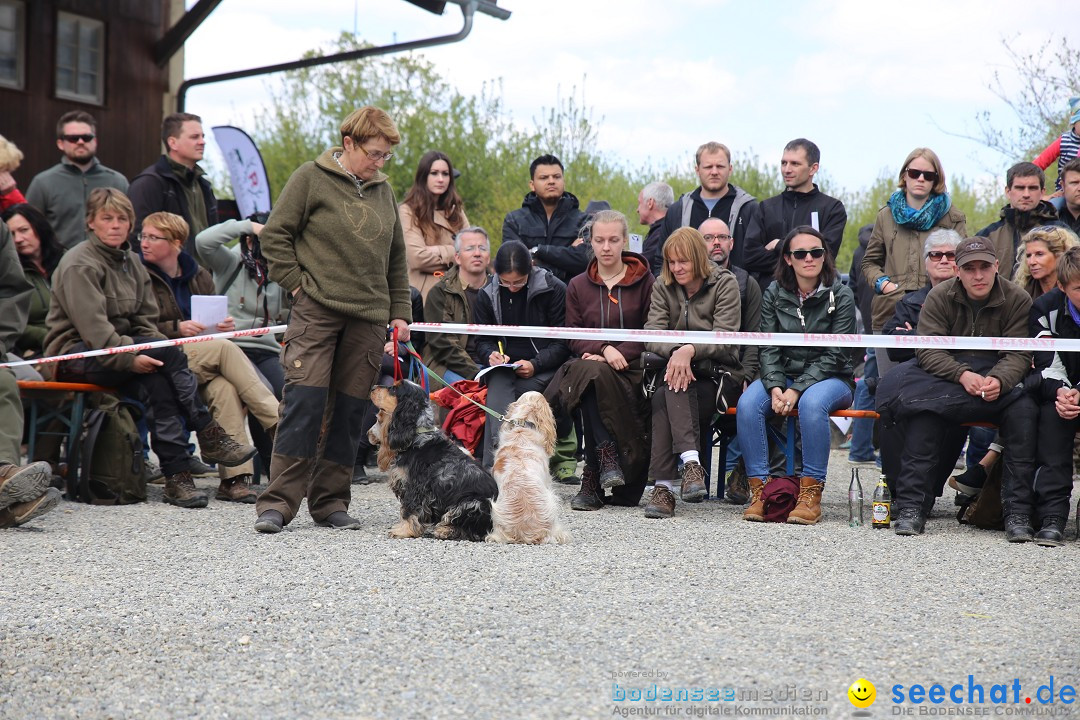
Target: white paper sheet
[209, 310]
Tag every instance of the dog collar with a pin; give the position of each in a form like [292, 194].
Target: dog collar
[426, 430]
[522, 423]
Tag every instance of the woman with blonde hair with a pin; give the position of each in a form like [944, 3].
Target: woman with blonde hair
[228, 381]
[10, 159]
[431, 214]
[693, 293]
[893, 263]
[1037, 258]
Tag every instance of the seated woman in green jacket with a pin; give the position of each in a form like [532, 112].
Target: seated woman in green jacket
[806, 297]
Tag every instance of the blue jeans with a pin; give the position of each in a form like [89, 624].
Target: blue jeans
[814, 405]
[862, 429]
[451, 377]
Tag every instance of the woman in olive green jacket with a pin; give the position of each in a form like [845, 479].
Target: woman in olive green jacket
[806, 297]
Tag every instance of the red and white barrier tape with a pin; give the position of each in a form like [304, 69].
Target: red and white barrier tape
[148, 346]
[700, 337]
[755, 338]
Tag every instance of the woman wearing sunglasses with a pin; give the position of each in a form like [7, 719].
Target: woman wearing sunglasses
[893, 263]
[807, 296]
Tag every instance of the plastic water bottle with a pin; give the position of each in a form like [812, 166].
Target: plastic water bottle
[882, 505]
[855, 500]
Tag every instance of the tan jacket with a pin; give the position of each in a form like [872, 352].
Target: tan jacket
[946, 313]
[101, 296]
[898, 252]
[424, 257]
[715, 306]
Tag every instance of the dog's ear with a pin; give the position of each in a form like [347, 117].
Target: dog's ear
[411, 404]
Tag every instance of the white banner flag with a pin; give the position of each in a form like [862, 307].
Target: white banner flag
[246, 169]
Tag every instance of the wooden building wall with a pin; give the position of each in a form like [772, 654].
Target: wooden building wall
[129, 121]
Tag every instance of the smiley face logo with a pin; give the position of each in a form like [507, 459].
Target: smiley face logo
[862, 693]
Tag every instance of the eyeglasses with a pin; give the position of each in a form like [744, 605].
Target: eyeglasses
[816, 253]
[76, 138]
[936, 255]
[375, 155]
[720, 236]
[144, 236]
[513, 285]
[930, 175]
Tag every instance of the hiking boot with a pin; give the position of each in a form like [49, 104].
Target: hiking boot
[1018, 528]
[21, 513]
[339, 520]
[737, 491]
[693, 482]
[807, 510]
[1052, 533]
[756, 511]
[910, 521]
[566, 477]
[611, 475]
[270, 521]
[237, 489]
[590, 496]
[661, 504]
[152, 472]
[217, 447]
[180, 490]
[20, 484]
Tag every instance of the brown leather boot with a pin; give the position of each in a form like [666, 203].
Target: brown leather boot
[607, 457]
[693, 482]
[756, 511]
[661, 504]
[217, 447]
[237, 489]
[180, 490]
[807, 510]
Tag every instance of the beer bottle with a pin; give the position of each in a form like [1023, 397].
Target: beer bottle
[881, 504]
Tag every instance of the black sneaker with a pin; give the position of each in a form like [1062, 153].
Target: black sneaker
[270, 521]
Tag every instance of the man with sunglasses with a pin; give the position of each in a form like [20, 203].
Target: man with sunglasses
[61, 191]
[801, 203]
[1024, 186]
[176, 183]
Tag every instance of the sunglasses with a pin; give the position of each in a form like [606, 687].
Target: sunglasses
[930, 175]
[76, 138]
[936, 255]
[816, 253]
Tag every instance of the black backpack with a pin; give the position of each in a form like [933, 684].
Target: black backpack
[110, 454]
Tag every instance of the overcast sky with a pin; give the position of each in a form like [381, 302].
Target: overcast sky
[867, 81]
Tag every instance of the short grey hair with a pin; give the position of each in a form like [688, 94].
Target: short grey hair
[942, 236]
[660, 193]
[471, 229]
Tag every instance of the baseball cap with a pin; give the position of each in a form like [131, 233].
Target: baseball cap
[975, 248]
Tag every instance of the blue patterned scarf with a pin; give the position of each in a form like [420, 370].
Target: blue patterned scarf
[925, 217]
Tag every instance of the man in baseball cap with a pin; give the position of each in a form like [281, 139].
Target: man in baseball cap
[951, 387]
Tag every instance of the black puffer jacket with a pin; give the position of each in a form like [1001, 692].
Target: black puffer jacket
[553, 238]
[1006, 232]
[545, 306]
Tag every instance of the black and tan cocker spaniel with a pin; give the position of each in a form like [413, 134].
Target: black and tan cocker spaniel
[443, 491]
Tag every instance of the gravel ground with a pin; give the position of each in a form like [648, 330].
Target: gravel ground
[150, 611]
